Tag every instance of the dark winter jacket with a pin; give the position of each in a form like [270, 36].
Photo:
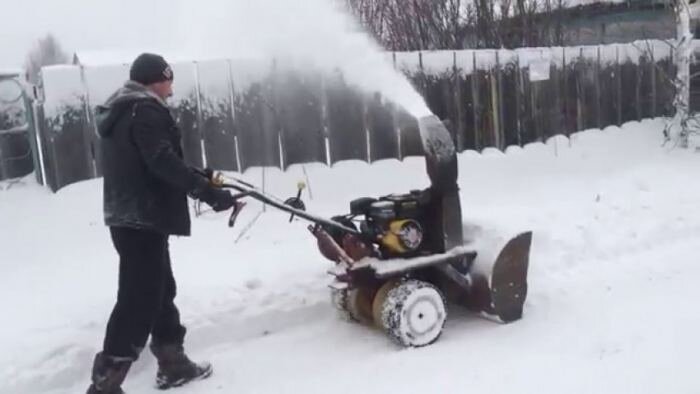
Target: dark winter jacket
[146, 181]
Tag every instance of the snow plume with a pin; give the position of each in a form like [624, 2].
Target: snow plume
[312, 33]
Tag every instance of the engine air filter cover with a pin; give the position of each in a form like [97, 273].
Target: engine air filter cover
[410, 233]
[404, 236]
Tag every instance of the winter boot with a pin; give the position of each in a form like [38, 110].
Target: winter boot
[175, 368]
[108, 374]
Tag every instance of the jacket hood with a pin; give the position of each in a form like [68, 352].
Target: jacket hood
[107, 114]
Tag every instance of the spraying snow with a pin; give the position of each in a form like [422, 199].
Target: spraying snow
[311, 33]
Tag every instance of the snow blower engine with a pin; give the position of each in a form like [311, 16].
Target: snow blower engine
[393, 226]
[400, 259]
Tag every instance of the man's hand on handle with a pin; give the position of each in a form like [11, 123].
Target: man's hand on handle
[219, 199]
[213, 195]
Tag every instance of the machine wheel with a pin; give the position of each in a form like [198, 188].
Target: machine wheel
[354, 304]
[379, 301]
[360, 304]
[413, 313]
[339, 300]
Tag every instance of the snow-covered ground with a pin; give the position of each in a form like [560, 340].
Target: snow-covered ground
[613, 276]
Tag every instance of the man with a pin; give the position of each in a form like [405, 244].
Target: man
[146, 184]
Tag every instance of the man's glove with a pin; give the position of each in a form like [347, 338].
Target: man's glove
[209, 174]
[218, 199]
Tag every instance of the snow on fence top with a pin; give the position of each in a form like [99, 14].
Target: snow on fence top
[111, 57]
[102, 81]
[63, 87]
[214, 79]
[245, 73]
[439, 62]
[104, 58]
[186, 81]
[105, 71]
[94, 78]
[436, 62]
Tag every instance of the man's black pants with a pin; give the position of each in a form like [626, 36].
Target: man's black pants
[145, 302]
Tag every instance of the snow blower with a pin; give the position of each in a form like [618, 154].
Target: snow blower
[400, 259]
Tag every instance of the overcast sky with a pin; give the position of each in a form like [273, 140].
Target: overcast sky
[189, 28]
[84, 25]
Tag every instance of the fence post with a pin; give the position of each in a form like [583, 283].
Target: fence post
[232, 98]
[325, 121]
[653, 84]
[459, 105]
[47, 165]
[476, 104]
[33, 134]
[638, 87]
[280, 130]
[89, 128]
[518, 99]
[672, 74]
[599, 118]
[365, 122]
[534, 113]
[200, 119]
[580, 91]
[556, 82]
[567, 105]
[618, 80]
[548, 99]
[497, 105]
[395, 116]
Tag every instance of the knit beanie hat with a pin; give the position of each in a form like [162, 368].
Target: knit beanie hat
[149, 68]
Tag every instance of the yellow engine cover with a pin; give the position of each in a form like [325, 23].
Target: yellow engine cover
[392, 239]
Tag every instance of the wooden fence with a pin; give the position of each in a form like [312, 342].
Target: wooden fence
[235, 115]
[502, 98]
